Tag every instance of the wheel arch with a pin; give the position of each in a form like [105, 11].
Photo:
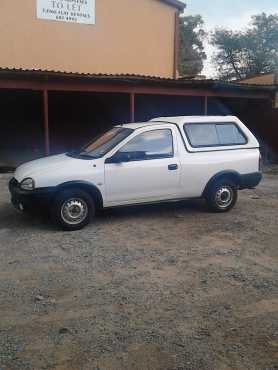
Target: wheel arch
[231, 175]
[90, 188]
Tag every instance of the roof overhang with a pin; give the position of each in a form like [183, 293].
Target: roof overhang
[39, 80]
[177, 4]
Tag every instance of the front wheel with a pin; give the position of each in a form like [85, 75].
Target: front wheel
[222, 196]
[73, 209]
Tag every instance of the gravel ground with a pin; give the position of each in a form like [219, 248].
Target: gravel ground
[168, 287]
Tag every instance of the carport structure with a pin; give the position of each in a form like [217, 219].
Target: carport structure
[50, 112]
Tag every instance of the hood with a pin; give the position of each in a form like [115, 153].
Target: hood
[58, 169]
[46, 168]
[46, 164]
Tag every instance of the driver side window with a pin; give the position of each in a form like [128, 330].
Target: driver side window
[153, 144]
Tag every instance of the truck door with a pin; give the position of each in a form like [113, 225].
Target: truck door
[148, 168]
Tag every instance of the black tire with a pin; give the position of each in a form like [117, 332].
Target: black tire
[222, 196]
[73, 209]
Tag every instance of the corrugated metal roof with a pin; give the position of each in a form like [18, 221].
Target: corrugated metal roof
[133, 79]
[270, 78]
[38, 71]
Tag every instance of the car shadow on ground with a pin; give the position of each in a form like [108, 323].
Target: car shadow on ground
[156, 210]
[13, 219]
[10, 218]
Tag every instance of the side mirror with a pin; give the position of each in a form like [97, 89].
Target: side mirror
[118, 157]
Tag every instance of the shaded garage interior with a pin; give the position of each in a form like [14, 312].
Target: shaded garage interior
[148, 107]
[257, 114]
[262, 119]
[76, 117]
[21, 126]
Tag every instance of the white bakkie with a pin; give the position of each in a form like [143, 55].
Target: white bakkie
[169, 158]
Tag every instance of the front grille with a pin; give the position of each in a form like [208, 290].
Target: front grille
[13, 184]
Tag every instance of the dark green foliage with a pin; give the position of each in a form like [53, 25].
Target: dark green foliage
[191, 53]
[247, 53]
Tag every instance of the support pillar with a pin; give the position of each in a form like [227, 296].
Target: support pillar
[46, 122]
[206, 105]
[132, 107]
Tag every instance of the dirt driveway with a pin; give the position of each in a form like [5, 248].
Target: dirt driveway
[167, 287]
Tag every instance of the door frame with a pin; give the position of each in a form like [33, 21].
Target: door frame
[174, 158]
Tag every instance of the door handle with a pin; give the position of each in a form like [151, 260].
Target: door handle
[173, 167]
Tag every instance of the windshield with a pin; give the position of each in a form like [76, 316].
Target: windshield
[102, 144]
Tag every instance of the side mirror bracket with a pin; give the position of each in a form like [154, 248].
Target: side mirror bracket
[122, 157]
[118, 157]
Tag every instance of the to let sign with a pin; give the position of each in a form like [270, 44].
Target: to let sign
[75, 11]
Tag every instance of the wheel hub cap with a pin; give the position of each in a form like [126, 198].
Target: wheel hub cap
[74, 211]
[224, 197]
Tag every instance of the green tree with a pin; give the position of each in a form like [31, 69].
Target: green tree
[191, 51]
[247, 53]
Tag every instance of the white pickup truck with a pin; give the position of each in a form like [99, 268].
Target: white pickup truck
[166, 159]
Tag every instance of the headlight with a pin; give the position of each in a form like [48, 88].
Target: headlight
[27, 184]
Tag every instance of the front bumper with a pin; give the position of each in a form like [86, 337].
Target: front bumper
[23, 199]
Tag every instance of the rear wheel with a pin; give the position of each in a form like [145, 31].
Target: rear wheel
[73, 209]
[222, 196]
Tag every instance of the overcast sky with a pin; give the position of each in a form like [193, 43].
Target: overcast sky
[234, 14]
